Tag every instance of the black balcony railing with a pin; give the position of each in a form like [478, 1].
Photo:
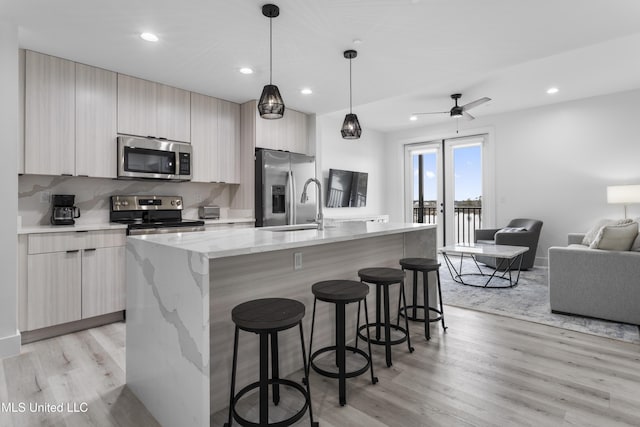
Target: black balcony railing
[466, 220]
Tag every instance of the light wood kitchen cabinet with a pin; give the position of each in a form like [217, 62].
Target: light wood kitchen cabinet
[228, 159]
[53, 289]
[70, 276]
[49, 115]
[152, 109]
[290, 133]
[173, 114]
[96, 122]
[103, 281]
[204, 137]
[215, 131]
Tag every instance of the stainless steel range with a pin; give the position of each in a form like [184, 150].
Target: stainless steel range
[151, 215]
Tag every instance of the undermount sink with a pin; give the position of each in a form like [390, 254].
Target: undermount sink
[291, 227]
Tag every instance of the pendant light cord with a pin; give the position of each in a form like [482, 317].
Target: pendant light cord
[270, 50]
[350, 95]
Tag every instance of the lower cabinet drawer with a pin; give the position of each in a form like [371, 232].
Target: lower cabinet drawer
[73, 240]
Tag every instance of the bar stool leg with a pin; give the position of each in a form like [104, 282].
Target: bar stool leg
[387, 326]
[264, 378]
[233, 376]
[275, 371]
[374, 379]
[378, 302]
[406, 321]
[358, 323]
[425, 291]
[440, 298]
[306, 377]
[313, 324]
[340, 353]
[400, 306]
[415, 293]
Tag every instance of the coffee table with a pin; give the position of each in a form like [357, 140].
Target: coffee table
[510, 256]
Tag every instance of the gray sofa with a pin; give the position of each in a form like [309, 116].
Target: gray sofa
[595, 282]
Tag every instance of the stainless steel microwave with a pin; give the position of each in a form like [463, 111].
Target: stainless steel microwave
[153, 158]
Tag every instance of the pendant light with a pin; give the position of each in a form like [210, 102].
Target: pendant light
[350, 127]
[271, 105]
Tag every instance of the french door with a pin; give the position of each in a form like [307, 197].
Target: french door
[444, 185]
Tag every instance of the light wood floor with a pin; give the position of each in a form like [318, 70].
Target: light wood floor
[486, 370]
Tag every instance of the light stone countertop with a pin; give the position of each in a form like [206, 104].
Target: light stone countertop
[33, 229]
[225, 243]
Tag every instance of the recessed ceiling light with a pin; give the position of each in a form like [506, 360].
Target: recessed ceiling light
[413, 118]
[306, 91]
[246, 70]
[552, 90]
[150, 37]
[357, 41]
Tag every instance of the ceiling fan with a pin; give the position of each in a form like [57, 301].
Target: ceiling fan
[460, 110]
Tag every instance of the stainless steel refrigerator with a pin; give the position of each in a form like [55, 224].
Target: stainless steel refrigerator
[280, 177]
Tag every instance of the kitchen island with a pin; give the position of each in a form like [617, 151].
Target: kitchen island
[182, 287]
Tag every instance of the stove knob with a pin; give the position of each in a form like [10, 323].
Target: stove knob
[117, 203]
[178, 202]
[173, 203]
[125, 203]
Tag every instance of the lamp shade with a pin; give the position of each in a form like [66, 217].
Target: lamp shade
[271, 105]
[623, 194]
[351, 127]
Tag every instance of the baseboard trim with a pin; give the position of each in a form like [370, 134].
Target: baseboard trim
[10, 345]
[66, 328]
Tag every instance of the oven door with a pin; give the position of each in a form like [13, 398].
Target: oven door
[152, 158]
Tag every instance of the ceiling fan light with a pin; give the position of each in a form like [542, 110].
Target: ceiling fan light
[351, 127]
[456, 112]
[271, 105]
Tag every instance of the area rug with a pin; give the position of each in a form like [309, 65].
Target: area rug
[529, 300]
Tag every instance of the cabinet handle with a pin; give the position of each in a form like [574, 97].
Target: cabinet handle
[66, 174]
[82, 231]
[90, 250]
[85, 176]
[73, 251]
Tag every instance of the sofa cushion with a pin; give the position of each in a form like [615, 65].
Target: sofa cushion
[593, 232]
[636, 243]
[618, 237]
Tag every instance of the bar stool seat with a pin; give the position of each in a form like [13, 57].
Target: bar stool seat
[340, 293]
[266, 317]
[383, 277]
[425, 266]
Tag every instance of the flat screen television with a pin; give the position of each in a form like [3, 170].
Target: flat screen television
[346, 189]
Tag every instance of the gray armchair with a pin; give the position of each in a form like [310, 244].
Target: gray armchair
[528, 238]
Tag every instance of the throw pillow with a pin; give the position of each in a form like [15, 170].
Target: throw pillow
[509, 230]
[616, 237]
[636, 243]
[591, 234]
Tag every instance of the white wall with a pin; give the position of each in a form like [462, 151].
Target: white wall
[551, 163]
[9, 335]
[361, 155]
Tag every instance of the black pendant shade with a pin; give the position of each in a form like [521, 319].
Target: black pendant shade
[271, 104]
[351, 126]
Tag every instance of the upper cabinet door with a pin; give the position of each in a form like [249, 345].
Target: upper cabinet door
[137, 100]
[204, 136]
[49, 115]
[288, 133]
[173, 113]
[228, 157]
[96, 121]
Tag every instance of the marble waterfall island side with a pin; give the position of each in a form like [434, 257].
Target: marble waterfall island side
[182, 287]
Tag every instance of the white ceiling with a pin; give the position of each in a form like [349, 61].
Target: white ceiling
[414, 53]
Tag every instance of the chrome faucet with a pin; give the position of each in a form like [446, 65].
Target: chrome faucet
[305, 197]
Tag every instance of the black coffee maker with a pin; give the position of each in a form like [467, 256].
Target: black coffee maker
[63, 212]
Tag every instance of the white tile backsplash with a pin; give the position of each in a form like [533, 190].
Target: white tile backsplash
[92, 196]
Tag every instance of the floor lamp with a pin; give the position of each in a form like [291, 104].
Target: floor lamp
[623, 194]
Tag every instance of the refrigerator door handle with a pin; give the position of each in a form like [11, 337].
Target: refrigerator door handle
[292, 206]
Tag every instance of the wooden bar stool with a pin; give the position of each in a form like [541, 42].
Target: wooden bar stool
[341, 293]
[266, 317]
[384, 277]
[425, 266]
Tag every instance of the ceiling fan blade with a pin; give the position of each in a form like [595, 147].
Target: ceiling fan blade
[475, 103]
[467, 116]
[433, 112]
